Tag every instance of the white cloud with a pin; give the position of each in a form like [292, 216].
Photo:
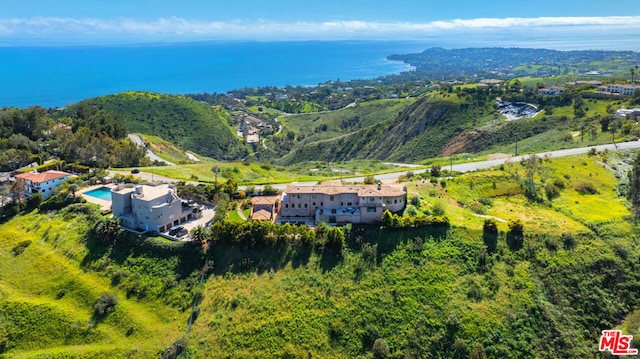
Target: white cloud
[174, 27]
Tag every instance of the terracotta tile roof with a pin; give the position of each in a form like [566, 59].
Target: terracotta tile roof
[360, 190]
[264, 200]
[43, 177]
[261, 215]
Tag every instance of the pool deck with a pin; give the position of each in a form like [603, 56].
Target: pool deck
[104, 205]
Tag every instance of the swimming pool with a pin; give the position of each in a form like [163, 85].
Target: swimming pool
[102, 193]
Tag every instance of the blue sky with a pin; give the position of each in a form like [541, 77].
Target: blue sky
[83, 21]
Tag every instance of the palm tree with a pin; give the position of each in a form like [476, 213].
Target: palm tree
[637, 72]
[199, 234]
[73, 188]
[107, 228]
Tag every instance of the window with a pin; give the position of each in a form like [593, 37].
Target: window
[349, 195]
[299, 205]
[298, 196]
[305, 205]
[313, 196]
[349, 203]
[395, 201]
[342, 203]
[388, 201]
[314, 203]
[330, 198]
[321, 203]
[372, 199]
[371, 209]
[286, 205]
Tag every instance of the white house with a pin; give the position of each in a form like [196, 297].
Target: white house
[44, 182]
[149, 207]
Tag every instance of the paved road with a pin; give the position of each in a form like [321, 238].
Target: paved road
[472, 166]
[152, 156]
[461, 167]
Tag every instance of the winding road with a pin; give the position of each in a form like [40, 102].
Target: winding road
[460, 167]
[152, 156]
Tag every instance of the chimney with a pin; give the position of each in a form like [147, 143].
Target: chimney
[379, 186]
[138, 190]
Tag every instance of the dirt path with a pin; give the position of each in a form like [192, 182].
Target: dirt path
[239, 210]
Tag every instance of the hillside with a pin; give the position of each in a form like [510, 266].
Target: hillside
[67, 293]
[454, 291]
[417, 132]
[184, 122]
[461, 292]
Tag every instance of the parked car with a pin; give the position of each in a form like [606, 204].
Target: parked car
[181, 232]
[174, 230]
[135, 170]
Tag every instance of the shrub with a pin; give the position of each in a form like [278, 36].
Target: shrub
[438, 208]
[415, 200]
[380, 348]
[568, 241]
[105, 304]
[552, 191]
[369, 179]
[586, 188]
[486, 201]
[20, 247]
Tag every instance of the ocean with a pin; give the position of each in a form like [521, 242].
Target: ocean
[56, 76]
[59, 76]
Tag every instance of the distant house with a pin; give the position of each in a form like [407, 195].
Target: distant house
[150, 207]
[490, 83]
[44, 182]
[264, 208]
[552, 91]
[337, 203]
[618, 89]
[630, 113]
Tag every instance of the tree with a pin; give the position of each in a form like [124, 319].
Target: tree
[633, 73]
[199, 234]
[73, 188]
[533, 166]
[515, 237]
[369, 179]
[107, 228]
[490, 234]
[4, 195]
[435, 170]
[380, 348]
[19, 190]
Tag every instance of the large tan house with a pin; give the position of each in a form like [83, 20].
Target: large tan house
[149, 207]
[337, 203]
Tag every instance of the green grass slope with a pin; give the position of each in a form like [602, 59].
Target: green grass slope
[52, 274]
[184, 122]
[417, 132]
[421, 293]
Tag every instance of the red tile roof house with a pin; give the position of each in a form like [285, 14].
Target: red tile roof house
[44, 182]
[337, 203]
